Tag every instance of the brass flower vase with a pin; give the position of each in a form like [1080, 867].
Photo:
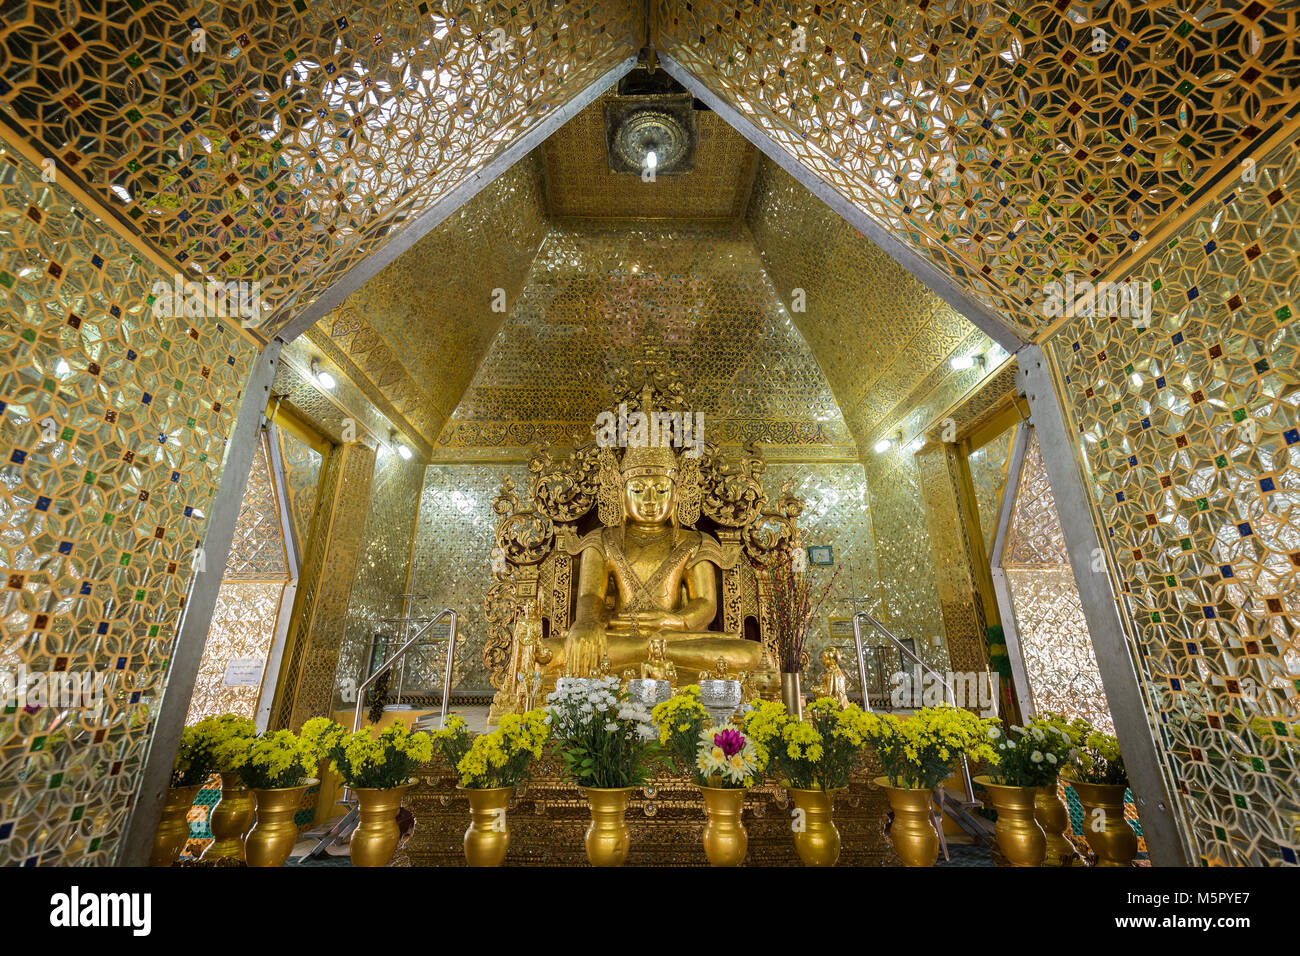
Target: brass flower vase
[174, 826]
[608, 838]
[912, 832]
[816, 839]
[725, 839]
[792, 694]
[377, 832]
[1054, 818]
[1104, 827]
[230, 820]
[1020, 838]
[271, 840]
[488, 836]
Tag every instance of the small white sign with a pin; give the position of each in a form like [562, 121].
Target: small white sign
[244, 672]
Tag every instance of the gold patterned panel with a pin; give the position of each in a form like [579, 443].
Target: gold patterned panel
[114, 424]
[1187, 442]
[257, 549]
[965, 621]
[286, 141]
[243, 626]
[988, 470]
[579, 183]
[317, 628]
[302, 466]
[884, 340]
[600, 295]
[1034, 537]
[1008, 142]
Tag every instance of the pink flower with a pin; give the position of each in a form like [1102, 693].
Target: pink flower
[730, 741]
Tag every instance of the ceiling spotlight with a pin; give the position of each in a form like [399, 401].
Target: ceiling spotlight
[963, 362]
[917, 443]
[883, 446]
[322, 377]
[651, 160]
[398, 446]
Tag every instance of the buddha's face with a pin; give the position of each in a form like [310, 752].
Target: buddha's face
[648, 499]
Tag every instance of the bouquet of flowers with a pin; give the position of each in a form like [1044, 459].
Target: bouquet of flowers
[279, 760]
[727, 759]
[817, 753]
[607, 741]
[918, 752]
[369, 758]
[504, 758]
[215, 744]
[681, 719]
[453, 740]
[1098, 760]
[1031, 756]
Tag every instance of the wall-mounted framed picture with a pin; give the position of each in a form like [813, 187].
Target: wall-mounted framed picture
[820, 554]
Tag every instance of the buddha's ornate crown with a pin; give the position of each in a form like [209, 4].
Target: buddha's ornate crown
[649, 460]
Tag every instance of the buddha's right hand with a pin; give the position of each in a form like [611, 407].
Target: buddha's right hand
[583, 649]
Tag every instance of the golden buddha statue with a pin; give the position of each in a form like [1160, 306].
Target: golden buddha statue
[661, 574]
[656, 666]
[834, 682]
[533, 657]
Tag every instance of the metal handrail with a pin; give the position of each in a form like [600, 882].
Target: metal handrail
[908, 653]
[400, 652]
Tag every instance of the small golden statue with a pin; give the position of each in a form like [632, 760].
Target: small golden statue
[720, 671]
[656, 666]
[834, 683]
[533, 657]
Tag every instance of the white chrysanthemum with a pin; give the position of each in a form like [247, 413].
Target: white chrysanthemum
[1051, 758]
[1036, 756]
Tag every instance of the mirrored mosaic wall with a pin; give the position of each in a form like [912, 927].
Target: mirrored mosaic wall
[1188, 442]
[1009, 142]
[1051, 631]
[285, 141]
[451, 563]
[693, 296]
[248, 603]
[113, 423]
[382, 566]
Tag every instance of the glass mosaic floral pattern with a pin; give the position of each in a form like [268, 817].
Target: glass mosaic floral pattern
[113, 424]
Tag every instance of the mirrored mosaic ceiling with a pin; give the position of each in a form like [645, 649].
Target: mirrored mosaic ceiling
[1188, 441]
[285, 141]
[1008, 142]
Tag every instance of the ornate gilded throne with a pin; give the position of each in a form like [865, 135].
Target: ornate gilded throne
[539, 536]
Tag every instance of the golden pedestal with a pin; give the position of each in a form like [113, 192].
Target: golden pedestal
[550, 816]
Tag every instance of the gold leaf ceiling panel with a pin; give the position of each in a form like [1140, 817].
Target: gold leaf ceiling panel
[602, 295]
[1009, 142]
[285, 140]
[883, 339]
[413, 335]
[580, 183]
